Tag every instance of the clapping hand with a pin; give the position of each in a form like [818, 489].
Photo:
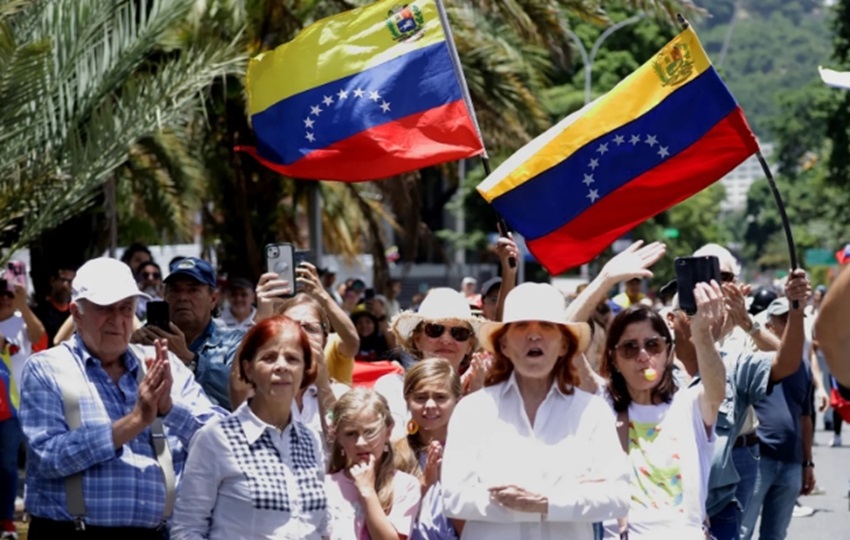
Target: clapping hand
[433, 463]
[154, 396]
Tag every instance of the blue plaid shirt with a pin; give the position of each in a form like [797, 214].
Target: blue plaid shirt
[123, 487]
[216, 348]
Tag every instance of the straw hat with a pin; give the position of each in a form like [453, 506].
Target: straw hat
[535, 302]
[441, 304]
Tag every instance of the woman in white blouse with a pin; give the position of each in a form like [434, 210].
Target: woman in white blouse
[258, 473]
[531, 456]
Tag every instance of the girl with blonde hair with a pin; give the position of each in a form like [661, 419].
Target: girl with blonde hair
[368, 499]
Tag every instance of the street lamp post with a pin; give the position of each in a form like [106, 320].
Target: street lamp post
[588, 59]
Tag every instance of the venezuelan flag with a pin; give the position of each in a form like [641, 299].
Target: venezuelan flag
[366, 94]
[664, 133]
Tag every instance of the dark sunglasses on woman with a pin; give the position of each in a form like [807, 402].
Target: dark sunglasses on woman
[653, 347]
[458, 333]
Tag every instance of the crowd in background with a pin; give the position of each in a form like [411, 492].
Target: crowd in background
[185, 406]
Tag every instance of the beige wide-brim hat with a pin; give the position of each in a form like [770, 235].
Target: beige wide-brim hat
[440, 304]
[539, 302]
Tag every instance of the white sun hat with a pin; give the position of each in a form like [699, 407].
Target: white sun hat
[440, 304]
[535, 302]
[104, 281]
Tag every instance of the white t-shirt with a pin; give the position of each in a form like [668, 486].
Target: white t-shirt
[670, 461]
[14, 329]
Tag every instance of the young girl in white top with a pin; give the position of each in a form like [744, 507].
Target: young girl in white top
[368, 499]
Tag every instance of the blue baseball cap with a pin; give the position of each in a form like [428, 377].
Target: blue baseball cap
[197, 269]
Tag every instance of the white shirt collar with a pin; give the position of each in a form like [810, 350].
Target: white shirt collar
[254, 427]
[511, 385]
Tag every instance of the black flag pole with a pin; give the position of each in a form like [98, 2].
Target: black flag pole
[467, 98]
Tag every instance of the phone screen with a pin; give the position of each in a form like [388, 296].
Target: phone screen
[17, 272]
[280, 259]
[158, 315]
[689, 272]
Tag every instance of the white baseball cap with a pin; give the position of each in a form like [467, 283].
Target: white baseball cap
[104, 281]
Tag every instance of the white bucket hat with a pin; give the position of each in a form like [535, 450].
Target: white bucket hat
[441, 304]
[104, 281]
[535, 302]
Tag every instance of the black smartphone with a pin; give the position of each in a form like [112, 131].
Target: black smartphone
[301, 256]
[280, 259]
[689, 272]
[158, 315]
[369, 294]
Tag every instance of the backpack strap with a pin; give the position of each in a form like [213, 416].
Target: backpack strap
[159, 441]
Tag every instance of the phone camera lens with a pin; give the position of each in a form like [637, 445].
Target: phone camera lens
[273, 252]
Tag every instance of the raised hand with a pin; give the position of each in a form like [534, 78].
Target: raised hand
[151, 391]
[736, 303]
[634, 261]
[798, 288]
[363, 475]
[433, 463]
[710, 310]
[270, 290]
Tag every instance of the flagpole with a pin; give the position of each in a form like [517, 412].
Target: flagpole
[467, 99]
[786, 224]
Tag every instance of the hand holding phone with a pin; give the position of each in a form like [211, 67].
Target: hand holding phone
[158, 315]
[689, 272]
[280, 259]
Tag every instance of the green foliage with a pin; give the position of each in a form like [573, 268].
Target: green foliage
[77, 90]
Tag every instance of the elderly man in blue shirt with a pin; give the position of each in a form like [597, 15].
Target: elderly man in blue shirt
[205, 347]
[107, 424]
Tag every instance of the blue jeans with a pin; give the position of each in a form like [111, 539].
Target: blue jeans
[746, 459]
[10, 440]
[724, 524]
[777, 488]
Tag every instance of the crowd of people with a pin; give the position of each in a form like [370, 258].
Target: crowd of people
[306, 410]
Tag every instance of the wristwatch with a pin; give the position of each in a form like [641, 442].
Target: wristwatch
[808, 463]
[756, 327]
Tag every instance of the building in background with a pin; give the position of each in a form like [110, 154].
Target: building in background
[738, 182]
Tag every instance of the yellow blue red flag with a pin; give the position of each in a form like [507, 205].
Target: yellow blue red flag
[664, 133]
[366, 94]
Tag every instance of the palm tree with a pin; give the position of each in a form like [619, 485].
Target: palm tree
[83, 84]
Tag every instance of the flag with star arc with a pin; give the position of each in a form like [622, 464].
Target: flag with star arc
[364, 95]
[664, 133]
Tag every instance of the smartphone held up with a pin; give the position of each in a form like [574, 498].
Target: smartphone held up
[689, 272]
[280, 259]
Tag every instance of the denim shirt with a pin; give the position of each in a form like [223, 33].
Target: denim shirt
[747, 382]
[215, 348]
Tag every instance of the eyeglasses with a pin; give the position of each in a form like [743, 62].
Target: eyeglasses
[653, 347]
[727, 277]
[151, 275]
[458, 333]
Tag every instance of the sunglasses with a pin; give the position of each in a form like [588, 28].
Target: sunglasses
[727, 277]
[458, 333]
[653, 347]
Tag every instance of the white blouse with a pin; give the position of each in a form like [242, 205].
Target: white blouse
[571, 455]
[245, 479]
